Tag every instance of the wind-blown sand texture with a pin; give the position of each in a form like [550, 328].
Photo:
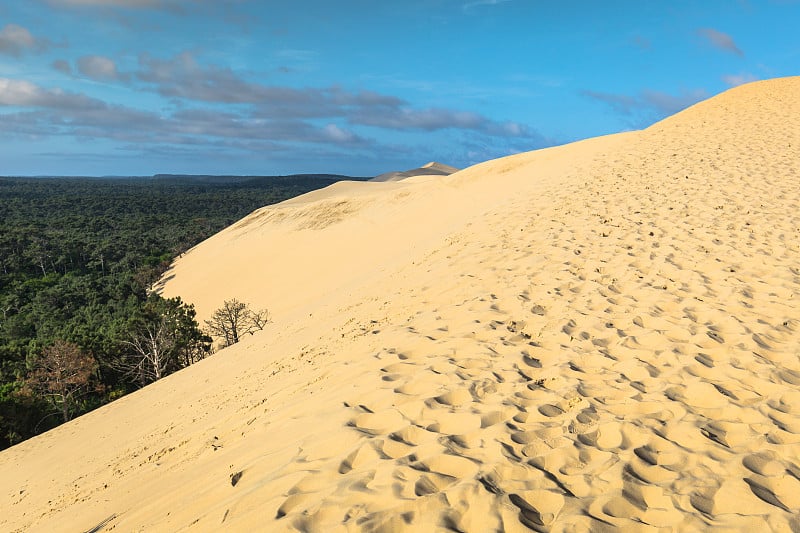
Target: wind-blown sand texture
[600, 336]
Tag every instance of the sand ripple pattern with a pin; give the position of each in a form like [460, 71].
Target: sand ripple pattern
[599, 337]
[602, 365]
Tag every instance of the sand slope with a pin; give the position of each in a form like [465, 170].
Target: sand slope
[601, 336]
[429, 169]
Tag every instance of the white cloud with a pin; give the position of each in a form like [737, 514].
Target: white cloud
[648, 105]
[183, 76]
[46, 112]
[339, 135]
[433, 119]
[21, 93]
[17, 92]
[720, 40]
[62, 66]
[15, 40]
[110, 3]
[100, 68]
[738, 79]
[477, 3]
[670, 104]
[178, 7]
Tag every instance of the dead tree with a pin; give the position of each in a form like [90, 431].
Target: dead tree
[234, 320]
[153, 354]
[62, 375]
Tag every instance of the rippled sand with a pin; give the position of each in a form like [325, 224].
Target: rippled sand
[596, 337]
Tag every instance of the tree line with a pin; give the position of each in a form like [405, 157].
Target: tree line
[78, 326]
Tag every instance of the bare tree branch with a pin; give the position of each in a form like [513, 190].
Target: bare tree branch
[235, 319]
[153, 353]
[63, 374]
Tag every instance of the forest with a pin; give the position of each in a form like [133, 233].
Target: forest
[78, 326]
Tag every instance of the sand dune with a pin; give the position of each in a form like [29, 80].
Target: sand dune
[429, 169]
[595, 337]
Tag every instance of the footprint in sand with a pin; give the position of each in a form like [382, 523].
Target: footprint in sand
[379, 423]
[538, 507]
[454, 466]
[455, 423]
[414, 435]
[365, 454]
[455, 398]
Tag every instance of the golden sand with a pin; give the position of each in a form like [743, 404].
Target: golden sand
[595, 337]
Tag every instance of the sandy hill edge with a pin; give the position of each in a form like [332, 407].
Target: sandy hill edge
[429, 169]
[595, 337]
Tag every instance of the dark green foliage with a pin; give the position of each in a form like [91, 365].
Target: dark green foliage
[164, 338]
[76, 258]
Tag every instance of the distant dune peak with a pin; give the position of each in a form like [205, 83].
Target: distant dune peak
[440, 167]
[429, 169]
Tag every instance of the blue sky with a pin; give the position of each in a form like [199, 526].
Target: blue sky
[137, 87]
